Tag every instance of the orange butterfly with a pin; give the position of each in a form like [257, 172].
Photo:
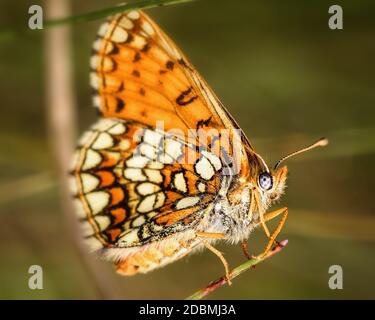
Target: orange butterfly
[166, 170]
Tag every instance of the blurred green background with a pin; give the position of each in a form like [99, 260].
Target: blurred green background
[285, 76]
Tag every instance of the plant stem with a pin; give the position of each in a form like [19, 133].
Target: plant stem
[102, 13]
[61, 117]
[198, 295]
[89, 16]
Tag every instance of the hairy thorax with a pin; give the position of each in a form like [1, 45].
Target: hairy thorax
[231, 215]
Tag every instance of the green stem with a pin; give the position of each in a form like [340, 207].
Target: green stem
[198, 295]
[89, 16]
[93, 15]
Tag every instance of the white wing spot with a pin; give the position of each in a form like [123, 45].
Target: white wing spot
[201, 187]
[148, 151]
[119, 35]
[187, 202]
[103, 141]
[129, 237]
[89, 182]
[147, 204]
[97, 100]
[147, 188]
[103, 222]
[137, 162]
[165, 158]
[138, 221]
[100, 45]
[94, 62]
[154, 175]
[179, 182]
[160, 199]
[153, 138]
[92, 160]
[103, 124]
[126, 23]
[155, 165]
[151, 202]
[124, 144]
[138, 42]
[106, 64]
[134, 15]
[213, 159]
[97, 44]
[97, 201]
[95, 81]
[118, 129]
[204, 169]
[103, 29]
[86, 138]
[134, 174]
[173, 148]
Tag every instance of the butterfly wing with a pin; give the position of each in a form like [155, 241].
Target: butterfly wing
[134, 183]
[138, 73]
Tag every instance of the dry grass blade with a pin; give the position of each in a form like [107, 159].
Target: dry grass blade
[6, 35]
[62, 129]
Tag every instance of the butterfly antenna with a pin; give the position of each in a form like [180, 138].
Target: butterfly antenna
[320, 143]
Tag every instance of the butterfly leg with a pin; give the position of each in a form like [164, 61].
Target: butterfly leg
[211, 235]
[261, 215]
[245, 251]
[272, 239]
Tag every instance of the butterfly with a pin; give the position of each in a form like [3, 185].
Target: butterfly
[166, 170]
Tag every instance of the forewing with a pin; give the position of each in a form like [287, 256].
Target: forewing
[138, 73]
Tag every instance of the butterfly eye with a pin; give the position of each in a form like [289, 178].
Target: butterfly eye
[265, 181]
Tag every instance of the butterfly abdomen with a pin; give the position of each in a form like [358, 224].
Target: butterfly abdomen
[154, 255]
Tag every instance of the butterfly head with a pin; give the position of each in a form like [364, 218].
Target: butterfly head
[270, 183]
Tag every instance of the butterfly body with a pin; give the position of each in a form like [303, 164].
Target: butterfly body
[221, 217]
[109, 183]
[147, 195]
